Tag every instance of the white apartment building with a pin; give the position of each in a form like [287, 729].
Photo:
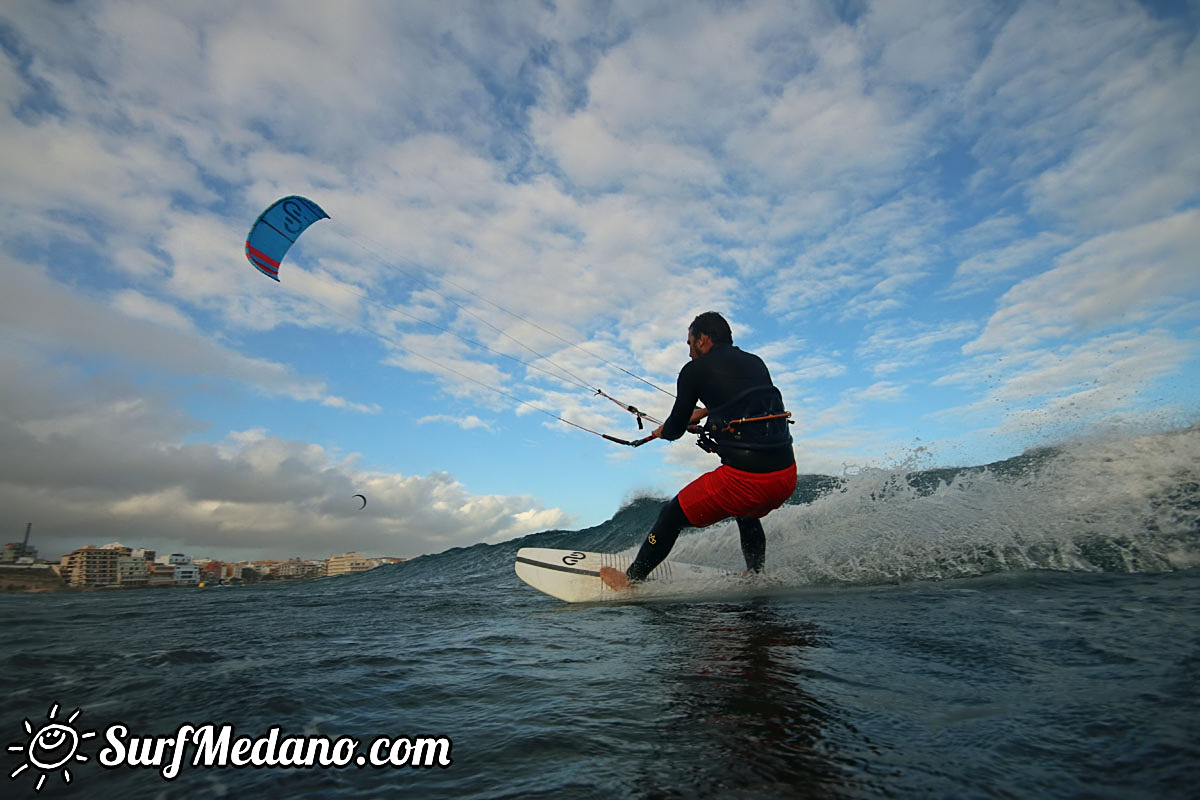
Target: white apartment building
[347, 563]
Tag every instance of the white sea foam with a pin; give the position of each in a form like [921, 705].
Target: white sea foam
[1113, 503]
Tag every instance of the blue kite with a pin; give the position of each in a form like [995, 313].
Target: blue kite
[277, 229]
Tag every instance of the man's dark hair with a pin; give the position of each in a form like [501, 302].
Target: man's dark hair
[714, 325]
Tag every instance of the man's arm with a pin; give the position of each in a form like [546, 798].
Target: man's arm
[697, 415]
[684, 412]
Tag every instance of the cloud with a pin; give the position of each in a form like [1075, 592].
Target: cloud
[1089, 117]
[38, 310]
[1043, 393]
[113, 464]
[1116, 279]
[133, 303]
[990, 265]
[467, 422]
[895, 345]
[881, 391]
[870, 264]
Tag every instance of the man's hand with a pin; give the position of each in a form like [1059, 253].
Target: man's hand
[697, 415]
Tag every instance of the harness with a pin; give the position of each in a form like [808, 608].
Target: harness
[762, 426]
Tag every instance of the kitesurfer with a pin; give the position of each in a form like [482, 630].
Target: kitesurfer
[746, 426]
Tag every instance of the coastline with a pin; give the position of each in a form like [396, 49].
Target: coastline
[30, 579]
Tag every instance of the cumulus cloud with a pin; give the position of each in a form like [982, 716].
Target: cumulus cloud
[112, 464]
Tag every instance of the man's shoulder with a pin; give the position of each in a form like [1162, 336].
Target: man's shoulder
[737, 354]
[691, 369]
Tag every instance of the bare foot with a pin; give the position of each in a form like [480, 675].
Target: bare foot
[615, 579]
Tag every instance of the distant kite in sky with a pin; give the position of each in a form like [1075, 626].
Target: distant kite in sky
[277, 229]
[364, 501]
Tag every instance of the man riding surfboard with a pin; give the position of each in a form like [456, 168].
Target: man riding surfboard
[746, 426]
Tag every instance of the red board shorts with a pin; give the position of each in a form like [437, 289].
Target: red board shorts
[727, 492]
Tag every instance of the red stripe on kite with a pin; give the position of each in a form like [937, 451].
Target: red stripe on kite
[261, 256]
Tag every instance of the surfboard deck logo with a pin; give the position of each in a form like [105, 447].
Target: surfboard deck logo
[574, 575]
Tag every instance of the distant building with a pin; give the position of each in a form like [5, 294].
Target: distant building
[160, 574]
[187, 575]
[185, 572]
[295, 568]
[347, 563]
[237, 568]
[133, 571]
[214, 572]
[90, 566]
[18, 552]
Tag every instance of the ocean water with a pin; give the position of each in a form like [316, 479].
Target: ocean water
[1028, 629]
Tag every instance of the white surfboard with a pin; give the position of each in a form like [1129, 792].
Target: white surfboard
[574, 575]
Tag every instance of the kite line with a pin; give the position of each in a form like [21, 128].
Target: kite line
[279, 226]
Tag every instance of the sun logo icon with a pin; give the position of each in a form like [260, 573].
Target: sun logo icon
[51, 747]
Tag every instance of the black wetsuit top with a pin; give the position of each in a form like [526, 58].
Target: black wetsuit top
[733, 384]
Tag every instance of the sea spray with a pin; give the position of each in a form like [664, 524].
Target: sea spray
[1113, 504]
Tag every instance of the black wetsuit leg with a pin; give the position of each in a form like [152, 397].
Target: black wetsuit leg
[754, 543]
[671, 520]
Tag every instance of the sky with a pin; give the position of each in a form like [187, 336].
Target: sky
[953, 230]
